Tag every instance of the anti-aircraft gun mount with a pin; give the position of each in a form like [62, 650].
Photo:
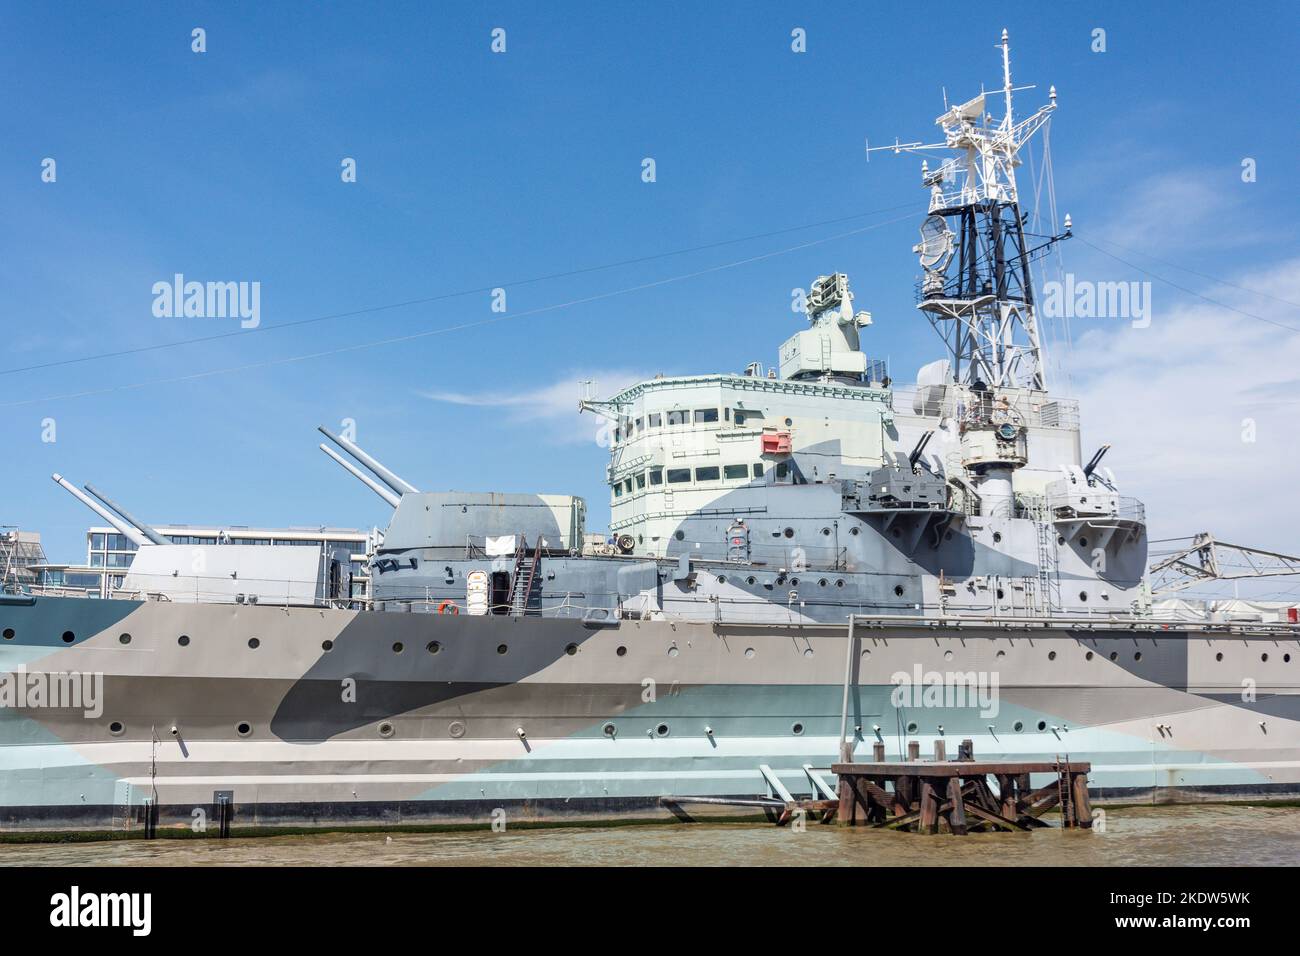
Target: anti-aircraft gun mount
[905, 496]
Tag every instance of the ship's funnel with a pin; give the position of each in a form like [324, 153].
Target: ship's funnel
[132, 534]
[387, 477]
[365, 479]
[147, 531]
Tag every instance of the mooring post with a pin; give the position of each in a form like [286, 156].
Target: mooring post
[914, 750]
[957, 816]
[929, 822]
[878, 751]
[1082, 805]
[940, 751]
[846, 746]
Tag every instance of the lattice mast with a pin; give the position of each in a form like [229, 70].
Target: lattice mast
[977, 291]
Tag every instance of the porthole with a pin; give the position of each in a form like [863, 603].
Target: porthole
[183, 640]
[789, 422]
[1051, 655]
[997, 537]
[1001, 594]
[1219, 656]
[244, 728]
[433, 647]
[9, 633]
[456, 729]
[1083, 542]
[897, 533]
[327, 645]
[1018, 726]
[386, 729]
[898, 590]
[750, 580]
[571, 649]
[1060, 539]
[789, 532]
[1137, 656]
[947, 655]
[501, 648]
[254, 643]
[1001, 654]
[69, 637]
[855, 531]
[1088, 656]
[672, 651]
[796, 729]
[621, 650]
[1286, 658]
[116, 728]
[826, 531]
[1042, 725]
[749, 653]
[680, 536]
[661, 730]
[807, 652]
[1114, 655]
[1264, 658]
[124, 638]
[794, 582]
[1083, 595]
[911, 728]
[398, 647]
[722, 579]
[839, 582]
[823, 582]
[609, 730]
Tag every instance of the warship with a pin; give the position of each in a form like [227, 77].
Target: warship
[803, 563]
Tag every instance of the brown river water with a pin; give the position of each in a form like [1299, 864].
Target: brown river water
[1132, 836]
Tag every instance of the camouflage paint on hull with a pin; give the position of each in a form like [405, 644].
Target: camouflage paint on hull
[430, 730]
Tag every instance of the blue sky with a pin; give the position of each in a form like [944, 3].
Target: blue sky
[477, 170]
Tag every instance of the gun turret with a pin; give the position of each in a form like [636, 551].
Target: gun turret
[131, 533]
[147, 531]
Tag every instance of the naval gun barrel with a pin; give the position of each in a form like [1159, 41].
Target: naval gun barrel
[147, 531]
[1089, 468]
[387, 477]
[132, 534]
[365, 479]
[919, 450]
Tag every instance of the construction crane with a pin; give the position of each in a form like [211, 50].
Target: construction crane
[1208, 559]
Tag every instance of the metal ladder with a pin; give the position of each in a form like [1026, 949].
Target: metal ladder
[1049, 569]
[524, 576]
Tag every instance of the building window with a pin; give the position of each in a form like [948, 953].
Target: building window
[678, 475]
[705, 416]
[732, 472]
[710, 473]
[640, 481]
[656, 420]
[627, 485]
[618, 490]
[679, 417]
[637, 426]
[758, 469]
[656, 476]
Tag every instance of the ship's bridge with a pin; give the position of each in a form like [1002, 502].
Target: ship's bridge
[681, 445]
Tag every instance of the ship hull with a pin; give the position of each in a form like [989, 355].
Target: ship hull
[317, 717]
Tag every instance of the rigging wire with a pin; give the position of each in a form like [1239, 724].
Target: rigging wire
[504, 317]
[425, 300]
[1182, 288]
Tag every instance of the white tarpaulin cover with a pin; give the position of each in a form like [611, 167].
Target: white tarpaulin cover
[499, 544]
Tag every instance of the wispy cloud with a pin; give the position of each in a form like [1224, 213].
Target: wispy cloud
[553, 406]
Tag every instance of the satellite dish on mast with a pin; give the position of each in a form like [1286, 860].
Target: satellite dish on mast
[935, 247]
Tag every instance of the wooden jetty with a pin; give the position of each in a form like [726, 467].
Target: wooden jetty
[922, 796]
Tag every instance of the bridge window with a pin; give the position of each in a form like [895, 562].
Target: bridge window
[758, 469]
[655, 420]
[710, 473]
[640, 480]
[704, 416]
[678, 475]
[679, 417]
[656, 476]
[732, 472]
[618, 490]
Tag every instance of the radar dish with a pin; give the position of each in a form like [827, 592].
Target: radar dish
[935, 248]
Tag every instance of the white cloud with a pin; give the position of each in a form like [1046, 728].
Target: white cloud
[553, 406]
[1179, 400]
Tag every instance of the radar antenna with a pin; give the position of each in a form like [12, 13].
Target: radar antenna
[977, 291]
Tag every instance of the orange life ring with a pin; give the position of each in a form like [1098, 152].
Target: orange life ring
[442, 608]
